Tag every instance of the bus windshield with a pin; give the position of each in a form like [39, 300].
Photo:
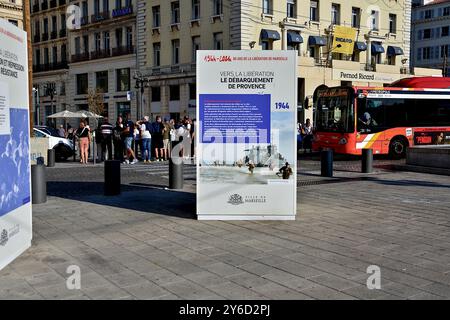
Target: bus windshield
[334, 110]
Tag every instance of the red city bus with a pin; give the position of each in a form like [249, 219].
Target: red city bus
[387, 120]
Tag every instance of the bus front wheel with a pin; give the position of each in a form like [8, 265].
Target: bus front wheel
[397, 147]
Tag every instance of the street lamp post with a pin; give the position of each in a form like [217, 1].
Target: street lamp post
[141, 83]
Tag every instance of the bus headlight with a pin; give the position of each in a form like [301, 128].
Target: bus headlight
[343, 141]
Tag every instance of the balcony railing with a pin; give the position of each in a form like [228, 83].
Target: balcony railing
[53, 3]
[100, 54]
[44, 36]
[124, 11]
[54, 35]
[44, 5]
[36, 38]
[122, 50]
[50, 66]
[101, 16]
[80, 57]
[63, 33]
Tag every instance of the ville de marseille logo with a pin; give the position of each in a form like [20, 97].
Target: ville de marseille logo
[235, 199]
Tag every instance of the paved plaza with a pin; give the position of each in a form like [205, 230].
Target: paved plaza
[146, 243]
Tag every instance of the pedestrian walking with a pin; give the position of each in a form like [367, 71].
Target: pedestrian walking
[98, 142]
[107, 133]
[307, 136]
[61, 131]
[285, 171]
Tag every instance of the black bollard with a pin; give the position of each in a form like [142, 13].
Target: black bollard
[112, 178]
[176, 172]
[367, 161]
[326, 163]
[38, 184]
[51, 154]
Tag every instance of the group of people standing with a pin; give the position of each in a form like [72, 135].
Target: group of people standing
[131, 142]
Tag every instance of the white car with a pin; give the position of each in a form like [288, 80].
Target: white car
[64, 148]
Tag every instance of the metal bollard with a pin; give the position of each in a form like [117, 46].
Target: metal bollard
[112, 178]
[38, 184]
[176, 173]
[326, 163]
[367, 161]
[51, 154]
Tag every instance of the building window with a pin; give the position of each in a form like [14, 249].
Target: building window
[195, 47]
[218, 41]
[86, 43]
[97, 42]
[157, 54]
[335, 13]
[291, 9]
[77, 45]
[118, 4]
[105, 5]
[64, 53]
[54, 54]
[102, 81]
[217, 8]
[392, 23]
[445, 31]
[314, 10]
[428, 14]
[195, 9]
[82, 83]
[14, 22]
[123, 79]
[156, 17]
[374, 20]
[46, 56]
[175, 51]
[427, 34]
[426, 53]
[119, 37]
[192, 91]
[129, 35]
[156, 94]
[174, 93]
[446, 11]
[267, 6]
[175, 12]
[96, 7]
[123, 108]
[356, 17]
[106, 41]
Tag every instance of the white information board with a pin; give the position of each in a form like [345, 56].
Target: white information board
[15, 186]
[246, 141]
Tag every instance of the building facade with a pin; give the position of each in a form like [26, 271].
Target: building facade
[171, 31]
[12, 10]
[84, 50]
[431, 35]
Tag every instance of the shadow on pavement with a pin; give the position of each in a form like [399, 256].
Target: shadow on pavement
[145, 198]
[406, 183]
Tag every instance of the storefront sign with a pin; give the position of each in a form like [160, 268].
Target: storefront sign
[364, 76]
[15, 191]
[344, 40]
[246, 146]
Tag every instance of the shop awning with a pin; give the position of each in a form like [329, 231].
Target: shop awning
[294, 37]
[377, 48]
[317, 41]
[360, 46]
[270, 35]
[394, 51]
